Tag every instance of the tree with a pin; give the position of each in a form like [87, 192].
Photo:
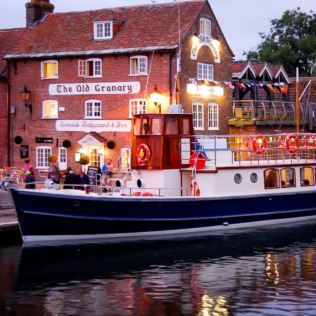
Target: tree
[291, 42]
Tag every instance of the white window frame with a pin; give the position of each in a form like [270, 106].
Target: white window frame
[62, 158]
[205, 27]
[83, 67]
[103, 30]
[53, 102]
[42, 154]
[213, 116]
[93, 110]
[205, 71]
[141, 62]
[137, 106]
[49, 62]
[198, 116]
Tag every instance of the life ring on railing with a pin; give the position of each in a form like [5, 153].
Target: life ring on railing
[311, 142]
[143, 154]
[291, 143]
[259, 144]
[197, 160]
[280, 142]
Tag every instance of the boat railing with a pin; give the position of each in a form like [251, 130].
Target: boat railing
[256, 149]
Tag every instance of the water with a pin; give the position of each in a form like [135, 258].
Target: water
[259, 272]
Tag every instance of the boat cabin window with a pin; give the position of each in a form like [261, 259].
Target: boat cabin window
[137, 126]
[271, 179]
[156, 126]
[186, 126]
[145, 126]
[287, 178]
[171, 126]
[307, 176]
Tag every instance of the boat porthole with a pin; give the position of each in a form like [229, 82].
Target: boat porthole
[238, 178]
[76, 203]
[253, 177]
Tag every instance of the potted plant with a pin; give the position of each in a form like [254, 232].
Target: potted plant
[84, 160]
[52, 158]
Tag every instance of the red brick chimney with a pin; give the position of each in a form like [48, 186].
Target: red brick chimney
[36, 10]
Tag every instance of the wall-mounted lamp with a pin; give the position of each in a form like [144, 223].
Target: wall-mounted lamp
[26, 95]
[77, 156]
[156, 98]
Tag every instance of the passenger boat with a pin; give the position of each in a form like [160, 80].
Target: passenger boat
[181, 185]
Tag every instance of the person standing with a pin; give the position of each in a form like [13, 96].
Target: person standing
[30, 179]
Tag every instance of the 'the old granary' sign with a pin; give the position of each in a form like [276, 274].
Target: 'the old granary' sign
[94, 88]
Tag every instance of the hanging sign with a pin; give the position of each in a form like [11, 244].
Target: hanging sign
[94, 88]
[24, 151]
[44, 140]
[94, 125]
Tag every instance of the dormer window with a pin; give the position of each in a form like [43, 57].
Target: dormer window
[90, 68]
[205, 27]
[103, 30]
[138, 65]
[49, 69]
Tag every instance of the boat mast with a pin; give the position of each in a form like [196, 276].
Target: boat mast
[297, 102]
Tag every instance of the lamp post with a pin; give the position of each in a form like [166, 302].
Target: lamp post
[26, 95]
[156, 98]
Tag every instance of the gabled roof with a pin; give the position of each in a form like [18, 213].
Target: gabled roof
[260, 68]
[240, 68]
[8, 42]
[140, 27]
[279, 70]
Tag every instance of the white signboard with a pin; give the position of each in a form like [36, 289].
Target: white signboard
[94, 125]
[94, 88]
[211, 43]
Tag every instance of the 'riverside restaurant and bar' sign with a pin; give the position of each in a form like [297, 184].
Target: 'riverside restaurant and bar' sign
[94, 125]
[94, 88]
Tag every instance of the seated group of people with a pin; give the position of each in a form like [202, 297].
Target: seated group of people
[70, 178]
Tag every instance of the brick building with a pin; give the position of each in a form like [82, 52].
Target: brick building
[84, 74]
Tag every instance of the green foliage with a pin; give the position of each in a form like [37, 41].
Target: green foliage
[291, 42]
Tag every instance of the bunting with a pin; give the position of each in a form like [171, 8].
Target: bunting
[275, 87]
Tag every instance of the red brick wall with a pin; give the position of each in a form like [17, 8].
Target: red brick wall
[115, 69]
[222, 72]
[3, 125]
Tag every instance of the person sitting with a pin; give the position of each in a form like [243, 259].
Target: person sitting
[81, 178]
[54, 173]
[29, 179]
[70, 177]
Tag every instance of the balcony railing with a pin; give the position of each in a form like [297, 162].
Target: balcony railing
[256, 112]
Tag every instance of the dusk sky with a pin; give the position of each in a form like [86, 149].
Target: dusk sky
[240, 20]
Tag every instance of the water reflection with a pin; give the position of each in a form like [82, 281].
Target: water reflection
[270, 272]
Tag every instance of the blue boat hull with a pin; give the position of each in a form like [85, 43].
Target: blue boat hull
[44, 216]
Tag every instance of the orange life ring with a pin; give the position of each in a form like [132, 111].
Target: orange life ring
[291, 143]
[143, 154]
[259, 144]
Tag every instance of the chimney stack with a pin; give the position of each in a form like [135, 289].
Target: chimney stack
[36, 10]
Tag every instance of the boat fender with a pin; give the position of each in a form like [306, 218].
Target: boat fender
[137, 193]
[259, 144]
[143, 154]
[147, 194]
[291, 143]
[195, 189]
[140, 183]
